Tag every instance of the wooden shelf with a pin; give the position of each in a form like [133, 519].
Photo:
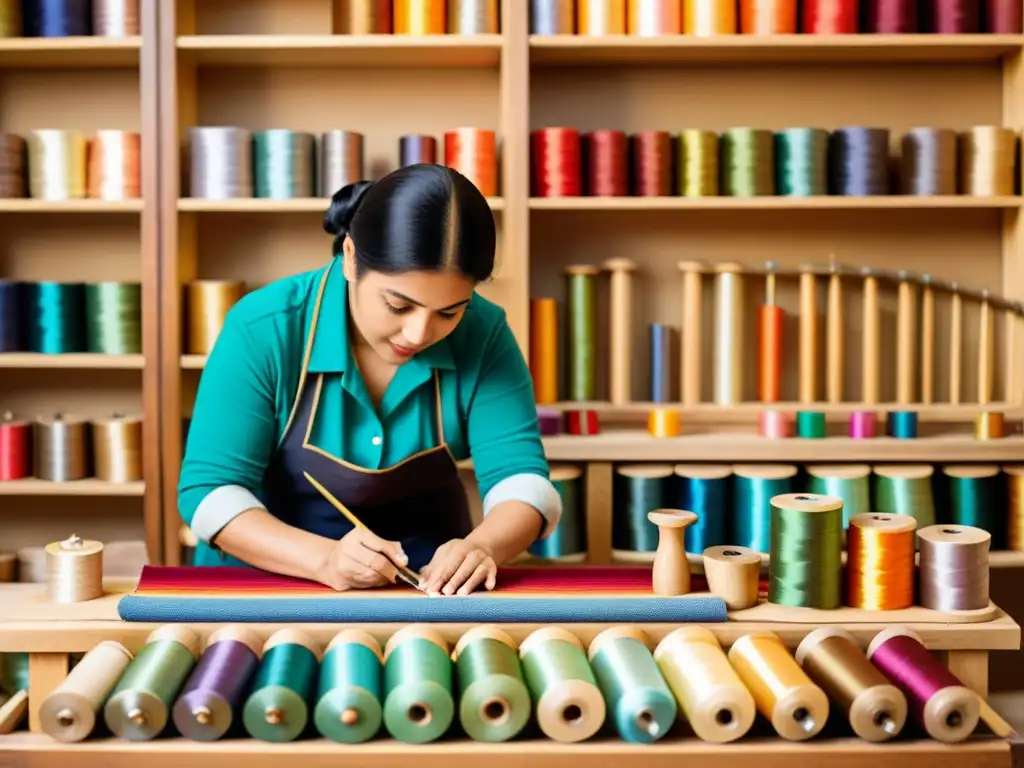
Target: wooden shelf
[63, 52]
[446, 51]
[879, 203]
[266, 205]
[89, 487]
[30, 205]
[71, 361]
[777, 49]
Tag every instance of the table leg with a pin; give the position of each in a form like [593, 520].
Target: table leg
[45, 672]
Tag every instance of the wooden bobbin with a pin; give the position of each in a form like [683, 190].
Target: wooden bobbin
[808, 384]
[692, 334]
[906, 346]
[620, 368]
[871, 351]
[927, 341]
[986, 350]
[733, 574]
[671, 573]
[956, 331]
[835, 346]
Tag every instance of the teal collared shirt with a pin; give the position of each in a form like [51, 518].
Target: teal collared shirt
[249, 385]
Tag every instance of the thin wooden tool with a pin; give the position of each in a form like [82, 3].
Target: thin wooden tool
[406, 574]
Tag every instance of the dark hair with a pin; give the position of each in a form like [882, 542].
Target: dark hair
[420, 217]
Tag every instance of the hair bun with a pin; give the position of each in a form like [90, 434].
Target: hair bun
[344, 205]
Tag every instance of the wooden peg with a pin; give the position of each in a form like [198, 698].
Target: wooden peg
[872, 345]
[906, 335]
[808, 337]
[690, 357]
[927, 341]
[986, 350]
[733, 574]
[621, 328]
[671, 576]
[955, 345]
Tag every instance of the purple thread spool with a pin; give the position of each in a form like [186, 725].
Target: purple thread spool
[550, 421]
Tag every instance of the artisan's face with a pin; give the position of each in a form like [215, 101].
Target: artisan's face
[400, 315]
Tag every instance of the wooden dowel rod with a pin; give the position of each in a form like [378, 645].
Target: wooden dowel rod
[871, 357]
[1012, 363]
[986, 346]
[906, 357]
[808, 338]
[690, 355]
[620, 369]
[729, 334]
[834, 365]
[927, 344]
[956, 331]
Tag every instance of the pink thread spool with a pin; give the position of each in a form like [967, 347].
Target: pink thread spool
[863, 425]
[550, 421]
[775, 425]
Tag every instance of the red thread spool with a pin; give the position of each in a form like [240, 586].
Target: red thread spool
[652, 164]
[15, 449]
[830, 17]
[1004, 17]
[473, 153]
[607, 156]
[583, 423]
[556, 162]
[956, 17]
[892, 17]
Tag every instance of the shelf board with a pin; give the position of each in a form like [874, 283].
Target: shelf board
[32, 205]
[193, 362]
[447, 51]
[266, 205]
[61, 52]
[775, 203]
[72, 360]
[88, 487]
[561, 50]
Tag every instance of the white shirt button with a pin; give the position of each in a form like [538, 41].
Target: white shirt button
[376, 440]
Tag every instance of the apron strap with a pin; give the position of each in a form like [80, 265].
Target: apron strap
[438, 409]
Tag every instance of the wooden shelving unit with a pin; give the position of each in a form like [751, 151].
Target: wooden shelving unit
[86, 84]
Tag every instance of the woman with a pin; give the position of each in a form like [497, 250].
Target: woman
[372, 375]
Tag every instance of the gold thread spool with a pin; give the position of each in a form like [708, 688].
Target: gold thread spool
[990, 425]
[117, 449]
[473, 17]
[664, 422]
[70, 712]
[987, 163]
[796, 707]
[544, 349]
[10, 18]
[709, 18]
[362, 17]
[600, 17]
[8, 567]
[419, 17]
[1015, 503]
[60, 448]
[74, 570]
[114, 165]
[880, 568]
[57, 165]
[208, 302]
[875, 708]
[13, 163]
[708, 690]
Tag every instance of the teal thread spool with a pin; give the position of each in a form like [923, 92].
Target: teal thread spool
[810, 424]
[568, 542]
[849, 482]
[753, 489]
[566, 697]
[972, 499]
[348, 706]
[901, 425]
[277, 709]
[140, 705]
[494, 702]
[419, 703]
[638, 489]
[642, 706]
[801, 160]
[905, 490]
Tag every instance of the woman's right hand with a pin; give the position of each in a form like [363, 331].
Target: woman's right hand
[361, 560]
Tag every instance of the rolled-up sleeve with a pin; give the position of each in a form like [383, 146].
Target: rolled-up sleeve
[504, 434]
[232, 434]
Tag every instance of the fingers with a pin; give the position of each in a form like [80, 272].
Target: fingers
[360, 575]
[375, 562]
[390, 549]
[484, 574]
[464, 570]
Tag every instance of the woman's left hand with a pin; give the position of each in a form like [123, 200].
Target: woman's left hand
[459, 567]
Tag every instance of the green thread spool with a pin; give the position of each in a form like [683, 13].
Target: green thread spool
[284, 164]
[566, 697]
[973, 498]
[348, 706]
[849, 482]
[13, 672]
[698, 164]
[113, 318]
[568, 542]
[748, 162]
[905, 490]
[582, 333]
[277, 709]
[140, 705]
[801, 158]
[638, 489]
[494, 702]
[642, 706]
[806, 556]
[754, 487]
[419, 703]
[810, 424]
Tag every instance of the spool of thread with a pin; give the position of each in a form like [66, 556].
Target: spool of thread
[707, 689]
[929, 161]
[709, 18]
[941, 704]
[698, 164]
[419, 702]
[544, 363]
[74, 570]
[65, 18]
[782, 691]
[753, 489]
[15, 448]
[284, 164]
[987, 161]
[8, 567]
[801, 156]
[905, 490]
[810, 424]
[341, 161]
[12, 308]
[60, 448]
[880, 566]
[775, 425]
[652, 163]
[10, 18]
[733, 574]
[1003, 17]
[569, 539]
[278, 706]
[582, 422]
[607, 163]
[494, 702]
[582, 332]
[642, 707]
[117, 449]
[1015, 504]
[748, 162]
[567, 701]
[664, 422]
[362, 17]
[221, 162]
[556, 162]
[654, 18]
[419, 17]
[57, 165]
[661, 339]
[207, 303]
[552, 17]
[806, 554]
[863, 425]
[859, 161]
[990, 425]
[830, 17]
[600, 17]
[55, 317]
[891, 17]
[550, 421]
[704, 490]
[68, 714]
[140, 706]
[113, 318]
[473, 153]
[473, 17]
[849, 482]
[413, 150]
[956, 17]
[115, 18]
[216, 689]
[768, 17]
[13, 159]
[638, 489]
[348, 702]
[954, 567]
[901, 424]
[114, 165]
[874, 707]
[973, 496]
